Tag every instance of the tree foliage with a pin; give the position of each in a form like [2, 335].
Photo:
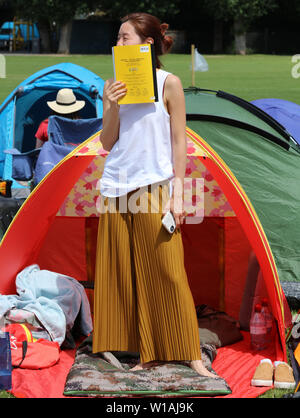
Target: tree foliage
[249, 10]
[159, 8]
[60, 11]
[242, 13]
[245, 10]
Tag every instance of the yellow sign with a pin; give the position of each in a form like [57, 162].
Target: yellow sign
[135, 66]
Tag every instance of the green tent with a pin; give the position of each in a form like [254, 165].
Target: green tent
[265, 160]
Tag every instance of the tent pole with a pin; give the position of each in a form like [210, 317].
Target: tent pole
[193, 64]
[221, 239]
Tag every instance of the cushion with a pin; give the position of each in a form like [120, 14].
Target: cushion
[94, 375]
[216, 327]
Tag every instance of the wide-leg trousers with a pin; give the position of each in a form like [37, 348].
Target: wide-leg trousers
[142, 299]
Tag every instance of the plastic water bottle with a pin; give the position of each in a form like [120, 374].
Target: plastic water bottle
[268, 317]
[258, 329]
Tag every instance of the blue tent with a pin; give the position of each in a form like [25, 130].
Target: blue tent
[24, 109]
[285, 112]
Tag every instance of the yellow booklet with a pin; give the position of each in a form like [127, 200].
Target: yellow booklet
[135, 66]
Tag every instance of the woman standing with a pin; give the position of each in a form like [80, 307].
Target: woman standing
[142, 298]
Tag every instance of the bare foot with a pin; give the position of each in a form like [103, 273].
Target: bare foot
[137, 367]
[199, 367]
[141, 366]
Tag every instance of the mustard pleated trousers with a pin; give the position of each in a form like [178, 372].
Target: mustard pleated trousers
[142, 299]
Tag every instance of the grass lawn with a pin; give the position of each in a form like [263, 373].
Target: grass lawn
[250, 77]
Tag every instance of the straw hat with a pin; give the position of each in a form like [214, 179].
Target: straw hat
[66, 102]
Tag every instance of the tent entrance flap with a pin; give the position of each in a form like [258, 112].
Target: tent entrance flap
[32, 109]
[216, 260]
[25, 108]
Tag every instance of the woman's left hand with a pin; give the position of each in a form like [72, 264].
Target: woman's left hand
[175, 206]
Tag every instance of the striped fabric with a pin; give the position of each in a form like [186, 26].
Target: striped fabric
[143, 302]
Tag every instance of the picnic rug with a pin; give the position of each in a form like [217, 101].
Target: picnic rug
[108, 374]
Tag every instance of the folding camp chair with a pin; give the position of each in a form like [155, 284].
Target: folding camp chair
[64, 135]
[31, 167]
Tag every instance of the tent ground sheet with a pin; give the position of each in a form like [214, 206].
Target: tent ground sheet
[234, 363]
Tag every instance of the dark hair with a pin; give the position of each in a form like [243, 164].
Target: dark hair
[73, 115]
[146, 26]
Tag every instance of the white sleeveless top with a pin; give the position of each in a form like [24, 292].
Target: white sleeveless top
[143, 153]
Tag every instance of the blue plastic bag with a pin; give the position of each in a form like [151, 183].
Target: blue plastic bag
[5, 361]
[23, 163]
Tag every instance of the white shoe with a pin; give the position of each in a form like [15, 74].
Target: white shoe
[263, 375]
[283, 376]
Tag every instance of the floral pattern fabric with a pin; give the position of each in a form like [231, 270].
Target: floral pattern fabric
[201, 191]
